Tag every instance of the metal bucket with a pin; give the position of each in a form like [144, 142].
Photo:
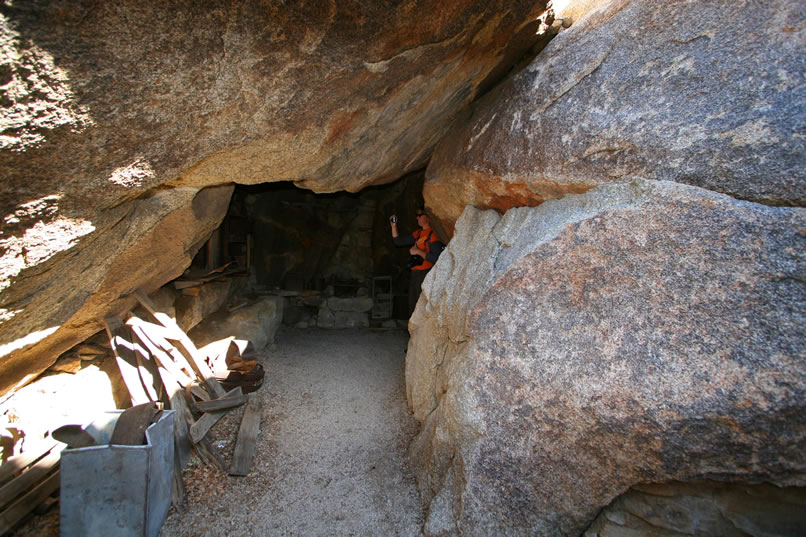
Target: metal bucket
[116, 491]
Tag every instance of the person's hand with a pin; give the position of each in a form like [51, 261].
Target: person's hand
[393, 219]
[416, 251]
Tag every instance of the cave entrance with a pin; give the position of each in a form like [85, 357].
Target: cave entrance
[308, 247]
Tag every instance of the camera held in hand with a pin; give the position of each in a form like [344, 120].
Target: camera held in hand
[414, 260]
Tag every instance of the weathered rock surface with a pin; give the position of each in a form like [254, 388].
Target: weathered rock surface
[107, 136]
[640, 332]
[60, 286]
[257, 322]
[191, 310]
[704, 93]
[705, 509]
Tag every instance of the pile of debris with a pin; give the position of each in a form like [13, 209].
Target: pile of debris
[162, 369]
[159, 362]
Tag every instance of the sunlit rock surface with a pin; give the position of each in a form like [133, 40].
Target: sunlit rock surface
[640, 332]
[703, 93]
[114, 116]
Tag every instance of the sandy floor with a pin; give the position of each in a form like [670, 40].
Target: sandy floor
[331, 451]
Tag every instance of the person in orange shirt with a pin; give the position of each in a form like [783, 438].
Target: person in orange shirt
[425, 249]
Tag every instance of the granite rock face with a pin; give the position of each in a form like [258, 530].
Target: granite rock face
[704, 509]
[640, 332]
[116, 117]
[256, 322]
[66, 274]
[709, 94]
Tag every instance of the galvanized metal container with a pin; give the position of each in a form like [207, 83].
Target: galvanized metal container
[118, 491]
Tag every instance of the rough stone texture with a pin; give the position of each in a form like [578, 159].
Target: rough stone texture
[105, 135]
[327, 318]
[257, 322]
[164, 300]
[640, 332]
[59, 294]
[704, 93]
[191, 310]
[357, 304]
[705, 509]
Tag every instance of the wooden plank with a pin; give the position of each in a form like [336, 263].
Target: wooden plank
[246, 445]
[182, 417]
[199, 392]
[29, 478]
[158, 335]
[208, 453]
[163, 358]
[204, 448]
[184, 284]
[147, 367]
[15, 513]
[203, 424]
[177, 334]
[182, 420]
[222, 403]
[178, 493]
[19, 462]
[126, 358]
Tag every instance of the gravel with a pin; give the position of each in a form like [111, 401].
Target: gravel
[331, 453]
[331, 457]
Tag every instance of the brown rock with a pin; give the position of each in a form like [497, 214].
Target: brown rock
[681, 92]
[65, 299]
[191, 310]
[636, 333]
[256, 322]
[706, 509]
[106, 137]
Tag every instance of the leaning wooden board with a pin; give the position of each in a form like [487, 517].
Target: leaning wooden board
[246, 445]
[177, 334]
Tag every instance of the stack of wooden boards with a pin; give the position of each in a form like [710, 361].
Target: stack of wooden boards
[27, 482]
[159, 362]
[191, 283]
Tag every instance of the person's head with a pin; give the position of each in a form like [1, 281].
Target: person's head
[422, 218]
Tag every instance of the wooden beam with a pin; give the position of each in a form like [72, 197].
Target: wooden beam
[177, 334]
[222, 403]
[203, 424]
[126, 358]
[198, 391]
[246, 445]
[163, 358]
[182, 418]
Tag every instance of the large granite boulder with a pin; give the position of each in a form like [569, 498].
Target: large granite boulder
[257, 322]
[639, 332]
[703, 93]
[116, 115]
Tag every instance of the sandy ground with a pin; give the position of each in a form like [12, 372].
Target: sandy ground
[331, 456]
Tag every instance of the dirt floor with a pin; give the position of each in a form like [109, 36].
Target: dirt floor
[331, 456]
